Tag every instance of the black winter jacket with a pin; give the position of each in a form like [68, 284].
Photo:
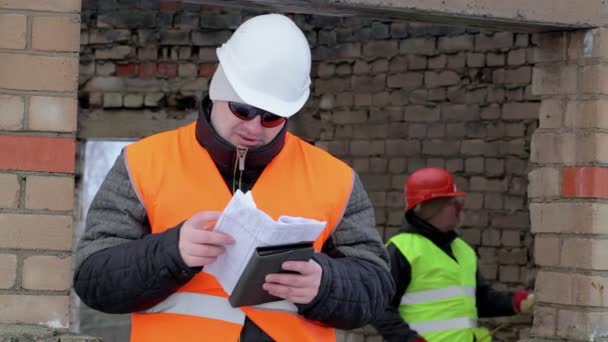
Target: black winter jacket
[490, 303]
[122, 268]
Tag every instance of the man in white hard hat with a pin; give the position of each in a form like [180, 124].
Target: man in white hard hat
[440, 293]
[149, 230]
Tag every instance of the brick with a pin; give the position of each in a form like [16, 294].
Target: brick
[511, 238]
[479, 147]
[508, 274]
[544, 182]
[488, 271]
[9, 198]
[472, 236]
[420, 46]
[455, 43]
[454, 165]
[441, 79]
[474, 165]
[56, 33]
[397, 64]
[545, 320]
[397, 165]
[513, 203]
[546, 250]
[422, 114]
[380, 48]
[113, 36]
[115, 52]
[457, 61]
[499, 41]
[585, 182]
[476, 60]
[72, 6]
[187, 70]
[378, 66]
[511, 221]
[405, 81]
[402, 148]
[112, 100]
[8, 270]
[459, 112]
[348, 117]
[520, 110]
[578, 218]
[105, 68]
[519, 76]
[369, 83]
[210, 38]
[126, 70]
[589, 290]
[495, 59]
[147, 53]
[556, 79]
[490, 237]
[438, 62]
[552, 147]
[515, 256]
[47, 272]
[11, 112]
[52, 114]
[416, 62]
[35, 72]
[551, 47]
[37, 153]
[547, 291]
[207, 70]
[493, 201]
[166, 69]
[440, 148]
[581, 325]
[51, 232]
[585, 253]
[516, 57]
[153, 99]
[13, 31]
[551, 113]
[30, 309]
[366, 148]
[586, 114]
[493, 111]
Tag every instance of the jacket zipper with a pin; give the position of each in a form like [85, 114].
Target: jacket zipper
[239, 167]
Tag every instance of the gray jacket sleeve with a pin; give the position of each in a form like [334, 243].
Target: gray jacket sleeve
[356, 284]
[120, 266]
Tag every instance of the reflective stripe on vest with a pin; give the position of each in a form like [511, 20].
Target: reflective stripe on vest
[446, 324]
[438, 294]
[214, 307]
[200, 305]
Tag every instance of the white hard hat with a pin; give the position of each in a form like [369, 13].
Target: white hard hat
[267, 64]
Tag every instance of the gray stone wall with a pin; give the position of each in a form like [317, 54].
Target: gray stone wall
[387, 97]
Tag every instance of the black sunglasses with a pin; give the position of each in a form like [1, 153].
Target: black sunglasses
[246, 112]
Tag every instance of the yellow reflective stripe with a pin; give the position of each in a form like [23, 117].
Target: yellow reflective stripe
[200, 305]
[437, 294]
[441, 325]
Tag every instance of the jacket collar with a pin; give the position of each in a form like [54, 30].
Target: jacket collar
[224, 154]
[415, 224]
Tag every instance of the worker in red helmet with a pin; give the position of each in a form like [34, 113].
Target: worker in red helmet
[440, 292]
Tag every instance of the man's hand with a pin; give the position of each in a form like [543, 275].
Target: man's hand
[299, 288]
[199, 245]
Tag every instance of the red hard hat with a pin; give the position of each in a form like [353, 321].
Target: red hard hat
[429, 183]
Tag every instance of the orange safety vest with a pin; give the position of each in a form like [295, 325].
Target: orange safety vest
[175, 178]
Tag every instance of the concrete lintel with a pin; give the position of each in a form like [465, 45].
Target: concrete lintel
[515, 15]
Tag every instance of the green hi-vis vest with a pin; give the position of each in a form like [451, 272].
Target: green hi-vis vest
[439, 302]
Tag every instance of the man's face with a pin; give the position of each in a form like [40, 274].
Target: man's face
[451, 216]
[241, 133]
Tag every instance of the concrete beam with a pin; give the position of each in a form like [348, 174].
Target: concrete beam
[513, 15]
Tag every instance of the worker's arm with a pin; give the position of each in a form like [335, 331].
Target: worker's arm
[390, 324]
[492, 303]
[355, 284]
[120, 266]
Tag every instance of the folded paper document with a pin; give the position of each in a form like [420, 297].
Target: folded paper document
[260, 244]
